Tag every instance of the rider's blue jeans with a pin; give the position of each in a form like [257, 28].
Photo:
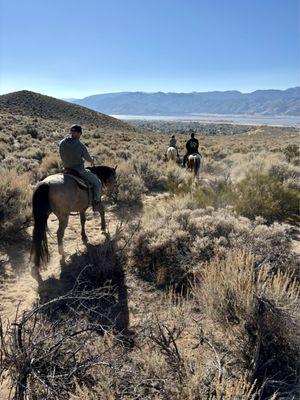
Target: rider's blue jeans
[94, 180]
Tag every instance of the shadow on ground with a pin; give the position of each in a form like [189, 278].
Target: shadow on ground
[14, 254]
[97, 278]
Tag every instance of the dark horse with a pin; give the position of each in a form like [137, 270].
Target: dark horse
[61, 194]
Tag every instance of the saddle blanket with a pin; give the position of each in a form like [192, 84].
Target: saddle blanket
[80, 181]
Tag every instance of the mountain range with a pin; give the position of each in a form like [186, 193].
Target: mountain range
[260, 102]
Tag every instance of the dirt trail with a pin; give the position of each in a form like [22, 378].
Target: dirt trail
[17, 288]
[19, 291]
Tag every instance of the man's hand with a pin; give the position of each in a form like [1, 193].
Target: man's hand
[93, 162]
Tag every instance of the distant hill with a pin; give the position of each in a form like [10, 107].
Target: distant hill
[32, 104]
[263, 102]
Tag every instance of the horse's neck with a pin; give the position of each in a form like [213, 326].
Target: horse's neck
[102, 172]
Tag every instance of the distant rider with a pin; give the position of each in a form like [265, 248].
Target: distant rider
[192, 147]
[173, 143]
[73, 153]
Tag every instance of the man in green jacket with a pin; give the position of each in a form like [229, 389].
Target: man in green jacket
[73, 154]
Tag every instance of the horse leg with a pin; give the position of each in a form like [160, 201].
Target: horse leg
[35, 273]
[63, 223]
[102, 215]
[82, 220]
[198, 169]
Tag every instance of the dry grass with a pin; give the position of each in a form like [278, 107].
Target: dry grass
[227, 339]
[230, 329]
[15, 193]
[50, 164]
[168, 246]
[130, 187]
[252, 307]
[266, 196]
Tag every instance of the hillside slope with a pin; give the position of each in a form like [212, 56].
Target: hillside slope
[32, 104]
[264, 102]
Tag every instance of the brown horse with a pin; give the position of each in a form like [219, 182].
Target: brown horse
[194, 163]
[61, 194]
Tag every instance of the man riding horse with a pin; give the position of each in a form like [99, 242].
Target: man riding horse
[192, 147]
[173, 143]
[62, 194]
[73, 153]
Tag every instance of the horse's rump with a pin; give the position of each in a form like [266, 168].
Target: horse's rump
[195, 155]
[194, 161]
[172, 153]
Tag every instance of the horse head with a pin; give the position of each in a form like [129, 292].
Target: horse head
[107, 176]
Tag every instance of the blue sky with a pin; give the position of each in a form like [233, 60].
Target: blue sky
[74, 48]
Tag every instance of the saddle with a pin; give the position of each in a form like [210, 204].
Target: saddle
[196, 155]
[75, 175]
[83, 184]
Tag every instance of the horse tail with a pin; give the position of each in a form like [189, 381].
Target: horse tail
[40, 211]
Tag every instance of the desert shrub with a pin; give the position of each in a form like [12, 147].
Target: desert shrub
[266, 196]
[284, 171]
[35, 153]
[151, 175]
[124, 154]
[15, 195]
[272, 194]
[296, 161]
[213, 167]
[96, 135]
[103, 154]
[260, 162]
[49, 165]
[129, 187]
[219, 194]
[253, 307]
[32, 131]
[166, 249]
[215, 193]
[219, 153]
[291, 152]
[19, 164]
[179, 181]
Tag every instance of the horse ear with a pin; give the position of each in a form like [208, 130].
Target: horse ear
[116, 167]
